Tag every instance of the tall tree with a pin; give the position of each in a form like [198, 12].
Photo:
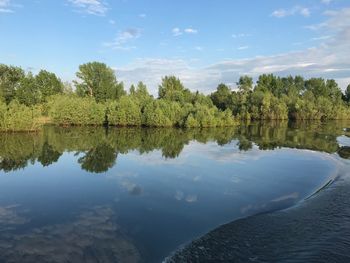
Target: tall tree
[347, 93]
[48, 84]
[10, 79]
[245, 84]
[172, 89]
[99, 81]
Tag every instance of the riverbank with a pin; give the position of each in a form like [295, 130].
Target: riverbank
[317, 230]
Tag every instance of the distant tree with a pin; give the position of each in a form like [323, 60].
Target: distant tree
[172, 89]
[245, 84]
[221, 96]
[48, 84]
[99, 81]
[28, 92]
[10, 78]
[347, 94]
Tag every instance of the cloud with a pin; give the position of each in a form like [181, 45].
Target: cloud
[242, 47]
[142, 15]
[296, 10]
[191, 31]
[330, 59]
[178, 32]
[327, 2]
[91, 7]
[123, 38]
[240, 35]
[5, 6]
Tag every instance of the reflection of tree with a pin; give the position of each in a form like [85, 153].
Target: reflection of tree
[101, 147]
[98, 159]
[48, 155]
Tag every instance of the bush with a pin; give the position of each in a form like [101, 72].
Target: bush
[71, 110]
[18, 117]
[124, 112]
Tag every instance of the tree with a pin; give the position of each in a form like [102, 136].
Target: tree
[245, 84]
[347, 94]
[48, 84]
[28, 92]
[221, 96]
[99, 81]
[10, 78]
[172, 89]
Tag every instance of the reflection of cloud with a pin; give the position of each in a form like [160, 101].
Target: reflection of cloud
[191, 198]
[9, 217]
[132, 188]
[94, 234]
[179, 195]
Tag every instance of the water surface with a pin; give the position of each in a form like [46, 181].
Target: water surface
[136, 195]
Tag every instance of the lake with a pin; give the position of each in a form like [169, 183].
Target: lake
[138, 195]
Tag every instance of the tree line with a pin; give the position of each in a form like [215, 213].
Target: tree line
[98, 98]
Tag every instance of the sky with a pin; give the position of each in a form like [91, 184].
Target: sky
[203, 42]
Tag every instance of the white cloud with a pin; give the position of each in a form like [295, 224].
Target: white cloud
[327, 2]
[5, 6]
[142, 15]
[240, 35]
[329, 60]
[112, 22]
[123, 38]
[242, 47]
[191, 31]
[198, 48]
[92, 7]
[296, 10]
[176, 32]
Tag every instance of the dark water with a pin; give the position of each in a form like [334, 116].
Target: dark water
[137, 195]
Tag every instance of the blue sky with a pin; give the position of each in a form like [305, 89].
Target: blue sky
[203, 42]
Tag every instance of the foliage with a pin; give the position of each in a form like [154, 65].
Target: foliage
[124, 112]
[18, 117]
[98, 80]
[71, 110]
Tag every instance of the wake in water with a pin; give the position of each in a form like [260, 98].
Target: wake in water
[318, 230]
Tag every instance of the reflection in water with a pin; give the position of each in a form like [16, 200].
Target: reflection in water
[101, 149]
[92, 237]
[167, 186]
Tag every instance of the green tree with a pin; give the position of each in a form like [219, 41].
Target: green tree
[48, 84]
[221, 96]
[99, 81]
[10, 78]
[28, 92]
[245, 84]
[347, 94]
[172, 89]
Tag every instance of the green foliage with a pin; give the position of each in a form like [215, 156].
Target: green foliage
[245, 84]
[72, 110]
[124, 112]
[10, 78]
[28, 92]
[49, 84]
[172, 89]
[18, 117]
[98, 80]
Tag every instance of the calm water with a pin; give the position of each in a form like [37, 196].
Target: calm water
[137, 195]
